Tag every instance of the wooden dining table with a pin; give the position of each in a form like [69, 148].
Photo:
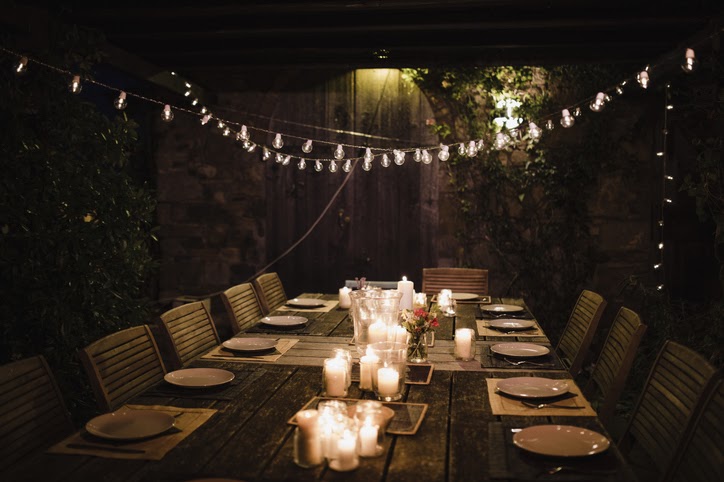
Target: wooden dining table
[250, 436]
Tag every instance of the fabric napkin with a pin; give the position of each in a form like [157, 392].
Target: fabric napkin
[221, 353]
[485, 330]
[504, 405]
[328, 306]
[154, 448]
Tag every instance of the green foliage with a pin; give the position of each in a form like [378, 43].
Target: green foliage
[76, 227]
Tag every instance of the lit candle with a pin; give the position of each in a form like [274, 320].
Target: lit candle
[377, 332]
[346, 457]
[307, 439]
[335, 377]
[464, 344]
[366, 366]
[345, 300]
[406, 288]
[387, 382]
[419, 300]
[368, 439]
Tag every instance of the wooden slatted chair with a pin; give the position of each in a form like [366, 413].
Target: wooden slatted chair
[270, 290]
[242, 306]
[578, 334]
[701, 458]
[33, 414]
[188, 332]
[465, 280]
[122, 365]
[675, 387]
[614, 362]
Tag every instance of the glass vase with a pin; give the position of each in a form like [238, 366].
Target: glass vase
[417, 349]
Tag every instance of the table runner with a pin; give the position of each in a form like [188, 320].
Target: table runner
[155, 448]
[502, 405]
[222, 354]
[328, 306]
[484, 330]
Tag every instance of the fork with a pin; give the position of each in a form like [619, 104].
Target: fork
[551, 405]
[521, 362]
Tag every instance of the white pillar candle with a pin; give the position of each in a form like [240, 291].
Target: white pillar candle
[346, 457]
[464, 343]
[345, 300]
[377, 332]
[387, 381]
[368, 439]
[406, 288]
[335, 377]
[308, 440]
[367, 364]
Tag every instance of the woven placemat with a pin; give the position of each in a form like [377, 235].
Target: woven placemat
[504, 405]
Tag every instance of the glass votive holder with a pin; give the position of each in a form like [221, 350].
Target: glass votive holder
[334, 377]
[419, 300]
[346, 355]
[307, 439]
[367, 370]
[451, 308]
[371, 426]
[388, 380]
[346, 457]
[333, 418]
[464, 344]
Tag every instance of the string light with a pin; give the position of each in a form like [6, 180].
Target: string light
[22, 67]
[426, 157]
[385, 160]
[567, 119]
[472, 149]
[461, 149]
[265, 154]
[643, 79]
[501, 141]
[690, 63]
[598, 103]
[287, 160]
[444, 153]
[75, 86]
[399, 157]
[302, 164]
[205, 119]
[417, 156]
[307, 146]
[550, 125]
[347, 166]
[366, 165]
[339, 152]
[332, 166]
[368, 155]
[318, 166]
[534, 131]
[278, 143]
[167, 114]
[120, 103]
[243, 133]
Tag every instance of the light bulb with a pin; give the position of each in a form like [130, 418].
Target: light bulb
[120, 103]
[534, 131]
[302, 164]
[205, 119]
[567, 119]
[75, 86]
[643, 79]
[658, 266]
[332, 166]
[265, 154]
[250, 147]
[226, 132]
[480, 145]
[399, 157]
[426, 157]
[204, 110]
[244, 133]
[287, 160]
[366, 165]
[307, 146]
[339, 152]
[472, 149]
[550, 125]
[690, 63]
[278, 143]
[661, 245]
[385, 160]
[368, 155]
[501, 141]
[318, 166]
[598, 103]
[619, 88]
[167, 114]
[22, 66]
[461, 149]
[187, 93]
[194, 102]
[577, 112]
[347, 166]
[444, 153]
[278, 157]
[417, 156]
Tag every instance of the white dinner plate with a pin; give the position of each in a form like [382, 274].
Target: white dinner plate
[130, 424]
[519, 349]
[250, 344]
[464, 296]
[561, 441]
[284, 320]
[533, 387]
[511, 324]
[199, 377]
[502, 308]
[306, 302]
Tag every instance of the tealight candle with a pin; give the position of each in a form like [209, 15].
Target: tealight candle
[464, 344]
[307, 439]
[346, 457]
[406, 288]
[346, 356]
[377, 332]
[387, 382]
[335, 377]
[368, 439]
[345, 300]
[367, 365]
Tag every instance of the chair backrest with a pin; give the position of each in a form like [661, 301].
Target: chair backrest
[675, 387]
[271, 291]
[122, 365]
[466, 280]
[33, 415]
[578, 333]
[242, 306]
[614, 362]
[701, 457]
[188, 331]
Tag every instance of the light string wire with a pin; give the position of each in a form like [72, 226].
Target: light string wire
[281, 156]
[665, 177]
